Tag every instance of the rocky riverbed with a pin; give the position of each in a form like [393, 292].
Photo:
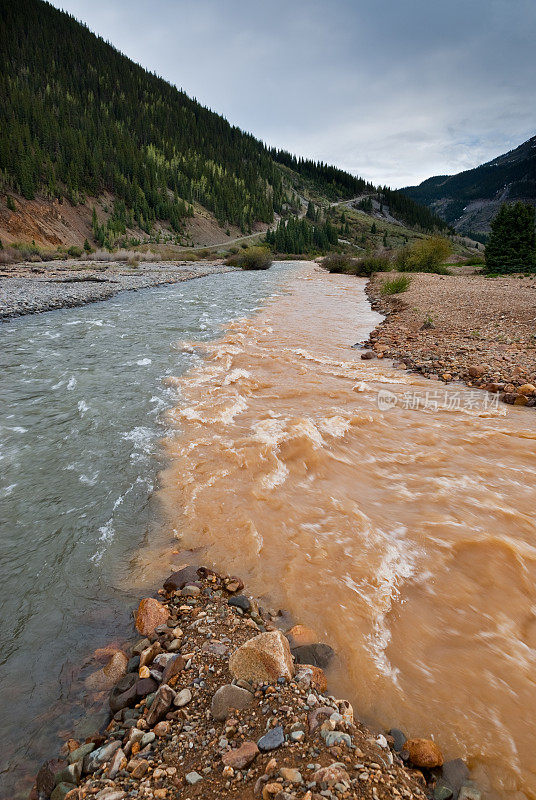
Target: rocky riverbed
[469, 328]
[30, 289]
[214, 701]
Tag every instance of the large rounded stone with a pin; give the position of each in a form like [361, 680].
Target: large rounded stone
[263, 659]
[424, 753]
[150, 615]
[229, 698]
[108, 676]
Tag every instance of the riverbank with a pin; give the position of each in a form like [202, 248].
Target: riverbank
[214, 701]
[31, 289]
[469, 328]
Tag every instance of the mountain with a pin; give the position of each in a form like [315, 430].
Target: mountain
[93, 144]
[469, 201]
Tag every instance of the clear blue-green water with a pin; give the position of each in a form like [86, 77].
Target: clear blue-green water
[82, 395]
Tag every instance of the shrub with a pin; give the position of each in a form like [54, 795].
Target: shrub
[74, 251]
[254, 258]
[363, 267]
[424, 255]
[474, 261]
[396, 286]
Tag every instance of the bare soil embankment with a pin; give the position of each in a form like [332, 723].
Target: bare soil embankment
[469, 328]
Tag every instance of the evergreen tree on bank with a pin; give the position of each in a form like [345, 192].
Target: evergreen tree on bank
[297, 236]
[512, 242]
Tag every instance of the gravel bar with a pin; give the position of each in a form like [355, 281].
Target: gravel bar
[24, 290]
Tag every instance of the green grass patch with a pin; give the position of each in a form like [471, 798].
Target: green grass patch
[396, 286]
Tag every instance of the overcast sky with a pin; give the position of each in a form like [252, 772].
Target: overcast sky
[392, 90]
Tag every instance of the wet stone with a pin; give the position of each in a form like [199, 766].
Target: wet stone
[319, 655]
[399, 739]
[240, 601]
[80, 752]
[178, 580]
[61, 791]
[454, 774]
[442, 791]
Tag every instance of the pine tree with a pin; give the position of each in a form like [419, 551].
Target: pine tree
[512, 242]
[373, 228]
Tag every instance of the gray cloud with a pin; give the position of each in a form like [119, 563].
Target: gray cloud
[395, 90]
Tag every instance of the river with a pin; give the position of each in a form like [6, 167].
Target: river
[392, 514]
[82, 397]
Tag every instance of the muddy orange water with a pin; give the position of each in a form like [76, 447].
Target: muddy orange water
[404, 535]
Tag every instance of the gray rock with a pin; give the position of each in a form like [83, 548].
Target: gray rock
[442, 791]
[336, 737]
[240, 601]
[98, 757]
[182, 698]
[117, 759]
[124, 692]
[469, 792]
[160, 705]
[80, 752]
[399, 739]
[193, 778]
[271, 740]
[453, 775]
[61, 790]
[318, 655]
[229, 698]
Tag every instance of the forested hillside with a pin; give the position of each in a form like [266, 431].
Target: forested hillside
[470, 199]
[79, 120]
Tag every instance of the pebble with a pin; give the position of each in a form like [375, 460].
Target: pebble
[193, 777]
[271, 740]
[182, 698]
[242, 756]
[228, 698]
[336, 737]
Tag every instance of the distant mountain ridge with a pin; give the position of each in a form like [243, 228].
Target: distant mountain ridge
[469, 200]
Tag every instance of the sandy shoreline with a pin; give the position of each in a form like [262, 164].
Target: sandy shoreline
[23, 290]
[468, 328]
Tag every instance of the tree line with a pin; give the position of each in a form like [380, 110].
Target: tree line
[298, 236]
